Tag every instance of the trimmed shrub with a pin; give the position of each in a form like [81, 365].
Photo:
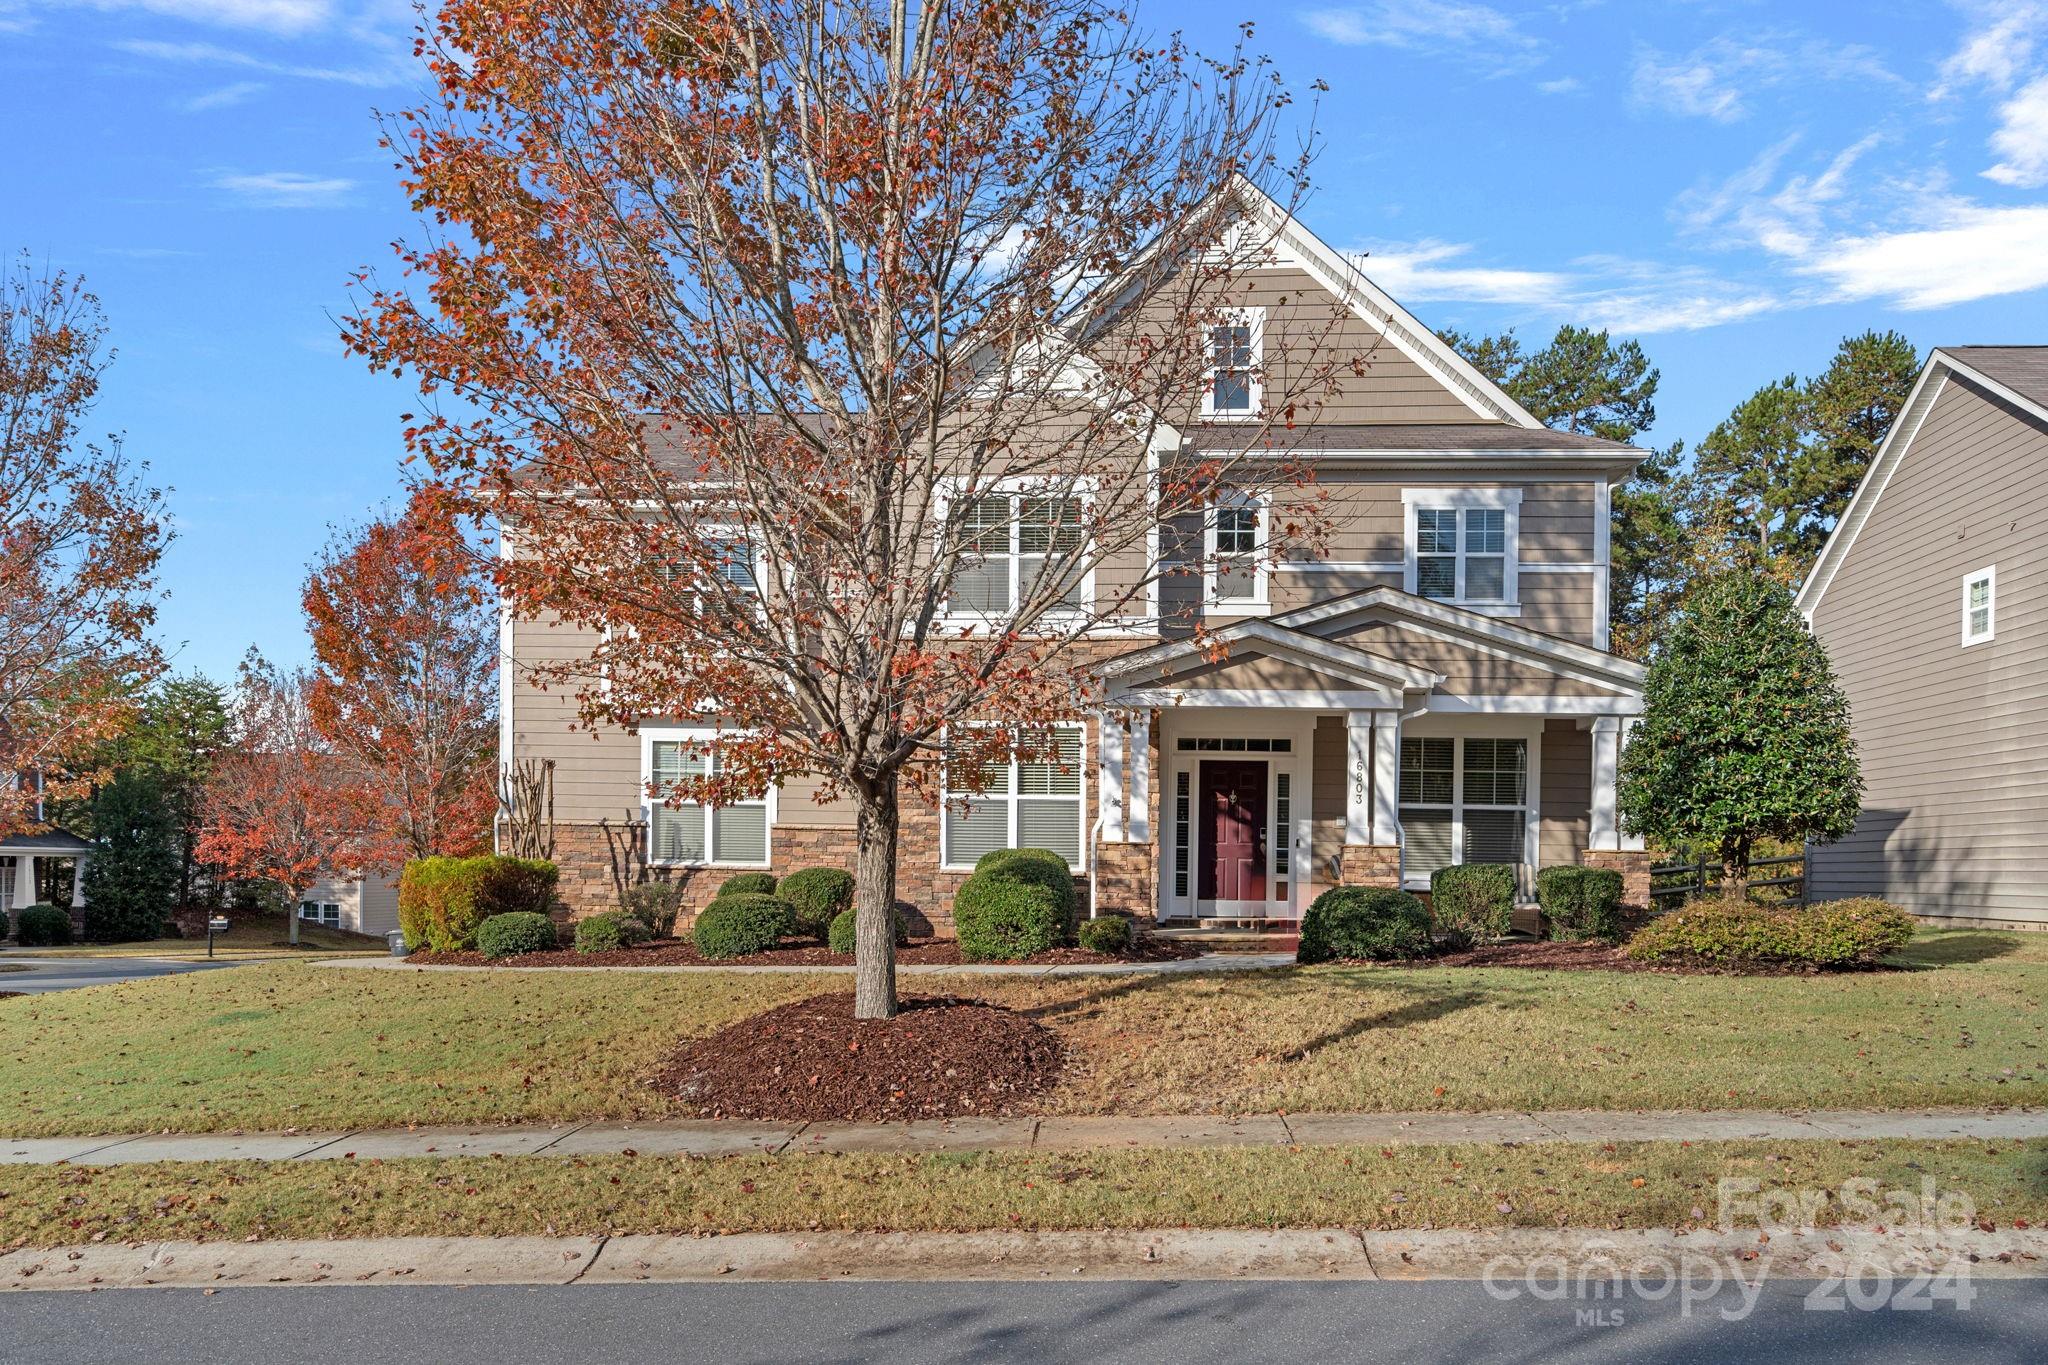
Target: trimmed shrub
[656, 905]
[609, 932]
[1364, 922]
[741, 923]
[746, 884]
[1109, 934]
[1000, 917]
[1472, 901]
[522, 931]
[441, 901]
[1580, 902]
[1832, 934]
[816, 896]
[839, 938]
[42, 926]
[1036, 867]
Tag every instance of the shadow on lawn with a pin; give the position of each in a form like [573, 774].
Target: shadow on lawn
[1417, 1011]
[1956, 946]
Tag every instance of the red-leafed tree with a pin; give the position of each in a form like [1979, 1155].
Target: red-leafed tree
[80, 537]
[836, 361]
[270, 809]
[404, 694]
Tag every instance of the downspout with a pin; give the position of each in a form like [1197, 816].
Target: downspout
[1094, 857]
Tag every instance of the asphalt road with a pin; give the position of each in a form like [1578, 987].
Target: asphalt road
[1044, 1324]
[69, 973]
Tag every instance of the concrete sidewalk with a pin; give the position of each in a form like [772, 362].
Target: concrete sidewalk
[1213, 962]
[729, 1137]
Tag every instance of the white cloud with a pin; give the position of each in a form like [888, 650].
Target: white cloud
[1563, 85]
[392, 71]
[1431, 269]
[285, 189]
[1476, 34]
[273, 16]
[236, 92]
[1689, 86]
[1970, 251]
[1996, 48]
[2022, 138]
[1716, 80]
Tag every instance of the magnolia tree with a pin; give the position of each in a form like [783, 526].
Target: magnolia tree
[404, 688]
[835, 363]
[270, 810]
[80, 537]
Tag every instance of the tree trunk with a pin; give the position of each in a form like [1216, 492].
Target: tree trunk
[874, 902]
[1734, 867]
[291, 914]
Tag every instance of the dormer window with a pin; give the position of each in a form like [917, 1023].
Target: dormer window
[1231, 386]
[1461, 544]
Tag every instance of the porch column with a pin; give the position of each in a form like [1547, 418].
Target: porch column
[1358, 730]
[1138, 819]
[24, 880]
[1386, 779]
[1109, 774]
[78, 880]
[1606, 845]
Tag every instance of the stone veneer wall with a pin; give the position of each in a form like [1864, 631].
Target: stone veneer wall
[1632, 864]
[1372, 865]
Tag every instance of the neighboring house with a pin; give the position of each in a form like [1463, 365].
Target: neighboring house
[1929, 599]
[19, 856]
[359, 905]
[1436, 689]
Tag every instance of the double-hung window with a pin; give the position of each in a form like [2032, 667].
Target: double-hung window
[688, 832]
[1010, 539]
[1235, 346]
[1462, 801]
[1237, 533]
[1034, 802]
[327, 914]
[722, 552]
[1462, 544]
[1980, 605]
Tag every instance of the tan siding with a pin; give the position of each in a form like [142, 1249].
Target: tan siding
[1954, 754]
[377, 905]
[1566, 800]
[1326, 803]
[1467, 671]
[597, 774]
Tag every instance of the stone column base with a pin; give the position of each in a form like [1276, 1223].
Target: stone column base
[1126, 879]
[1371, 865]
[1632, 864]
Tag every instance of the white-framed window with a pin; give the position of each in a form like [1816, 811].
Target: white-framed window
[1039, 802]
[1235, 555]
[327, 914]
[1980, 604]
[1462, 545]
[1232, 378]
[690, 834]
[729, 554]
[1009, 535]
[1463, 800]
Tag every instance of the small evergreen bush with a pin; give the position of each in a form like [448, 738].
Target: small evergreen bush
[1364, 922]
[1831, 934]
[1037, 866]
[747, 884]
[609, 932]
[1001, 918]
[1580, 902]
[656, 905]
[441, 901]
[521, 931]
[1472, 901]
[42, 926]
[742, 923]
[816, 896]
[1108, 934]
[839, 938]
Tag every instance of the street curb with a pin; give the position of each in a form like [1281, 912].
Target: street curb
[1504, 1255]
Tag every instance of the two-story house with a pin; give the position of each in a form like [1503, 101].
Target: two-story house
[1436, 687]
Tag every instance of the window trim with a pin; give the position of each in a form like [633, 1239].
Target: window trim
[1988, 576]
[1261, 601]
[1530, 805]
[696, 734]
[948, 491]
[320, 909]
[1507, 501]
[1253, 317]
[1080, 798]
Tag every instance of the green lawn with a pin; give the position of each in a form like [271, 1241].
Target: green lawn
[1618, 1185]
[279, 1045]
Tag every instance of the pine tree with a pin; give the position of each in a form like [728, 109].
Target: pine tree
[1745, 733]
[131, 879]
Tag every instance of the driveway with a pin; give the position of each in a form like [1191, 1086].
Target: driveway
[69, 973]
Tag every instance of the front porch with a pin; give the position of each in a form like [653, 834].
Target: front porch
[24, 856]
[1233, 804]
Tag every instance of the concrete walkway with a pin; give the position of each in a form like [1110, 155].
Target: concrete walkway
[728, 1137]
[1214, 962]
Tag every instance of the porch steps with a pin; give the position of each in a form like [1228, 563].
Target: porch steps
[1249, 936]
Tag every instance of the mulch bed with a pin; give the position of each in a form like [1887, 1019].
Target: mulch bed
[670, 952]
[942, 1057]
[1594, 956]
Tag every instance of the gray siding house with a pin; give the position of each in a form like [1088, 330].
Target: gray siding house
[1929, 598]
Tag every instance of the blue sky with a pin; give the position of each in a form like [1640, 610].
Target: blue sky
[1737, 184]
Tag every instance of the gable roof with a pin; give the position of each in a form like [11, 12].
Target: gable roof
[1265, 638]
[2017, 374]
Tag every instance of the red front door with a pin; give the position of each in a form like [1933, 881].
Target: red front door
[1233, 830]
